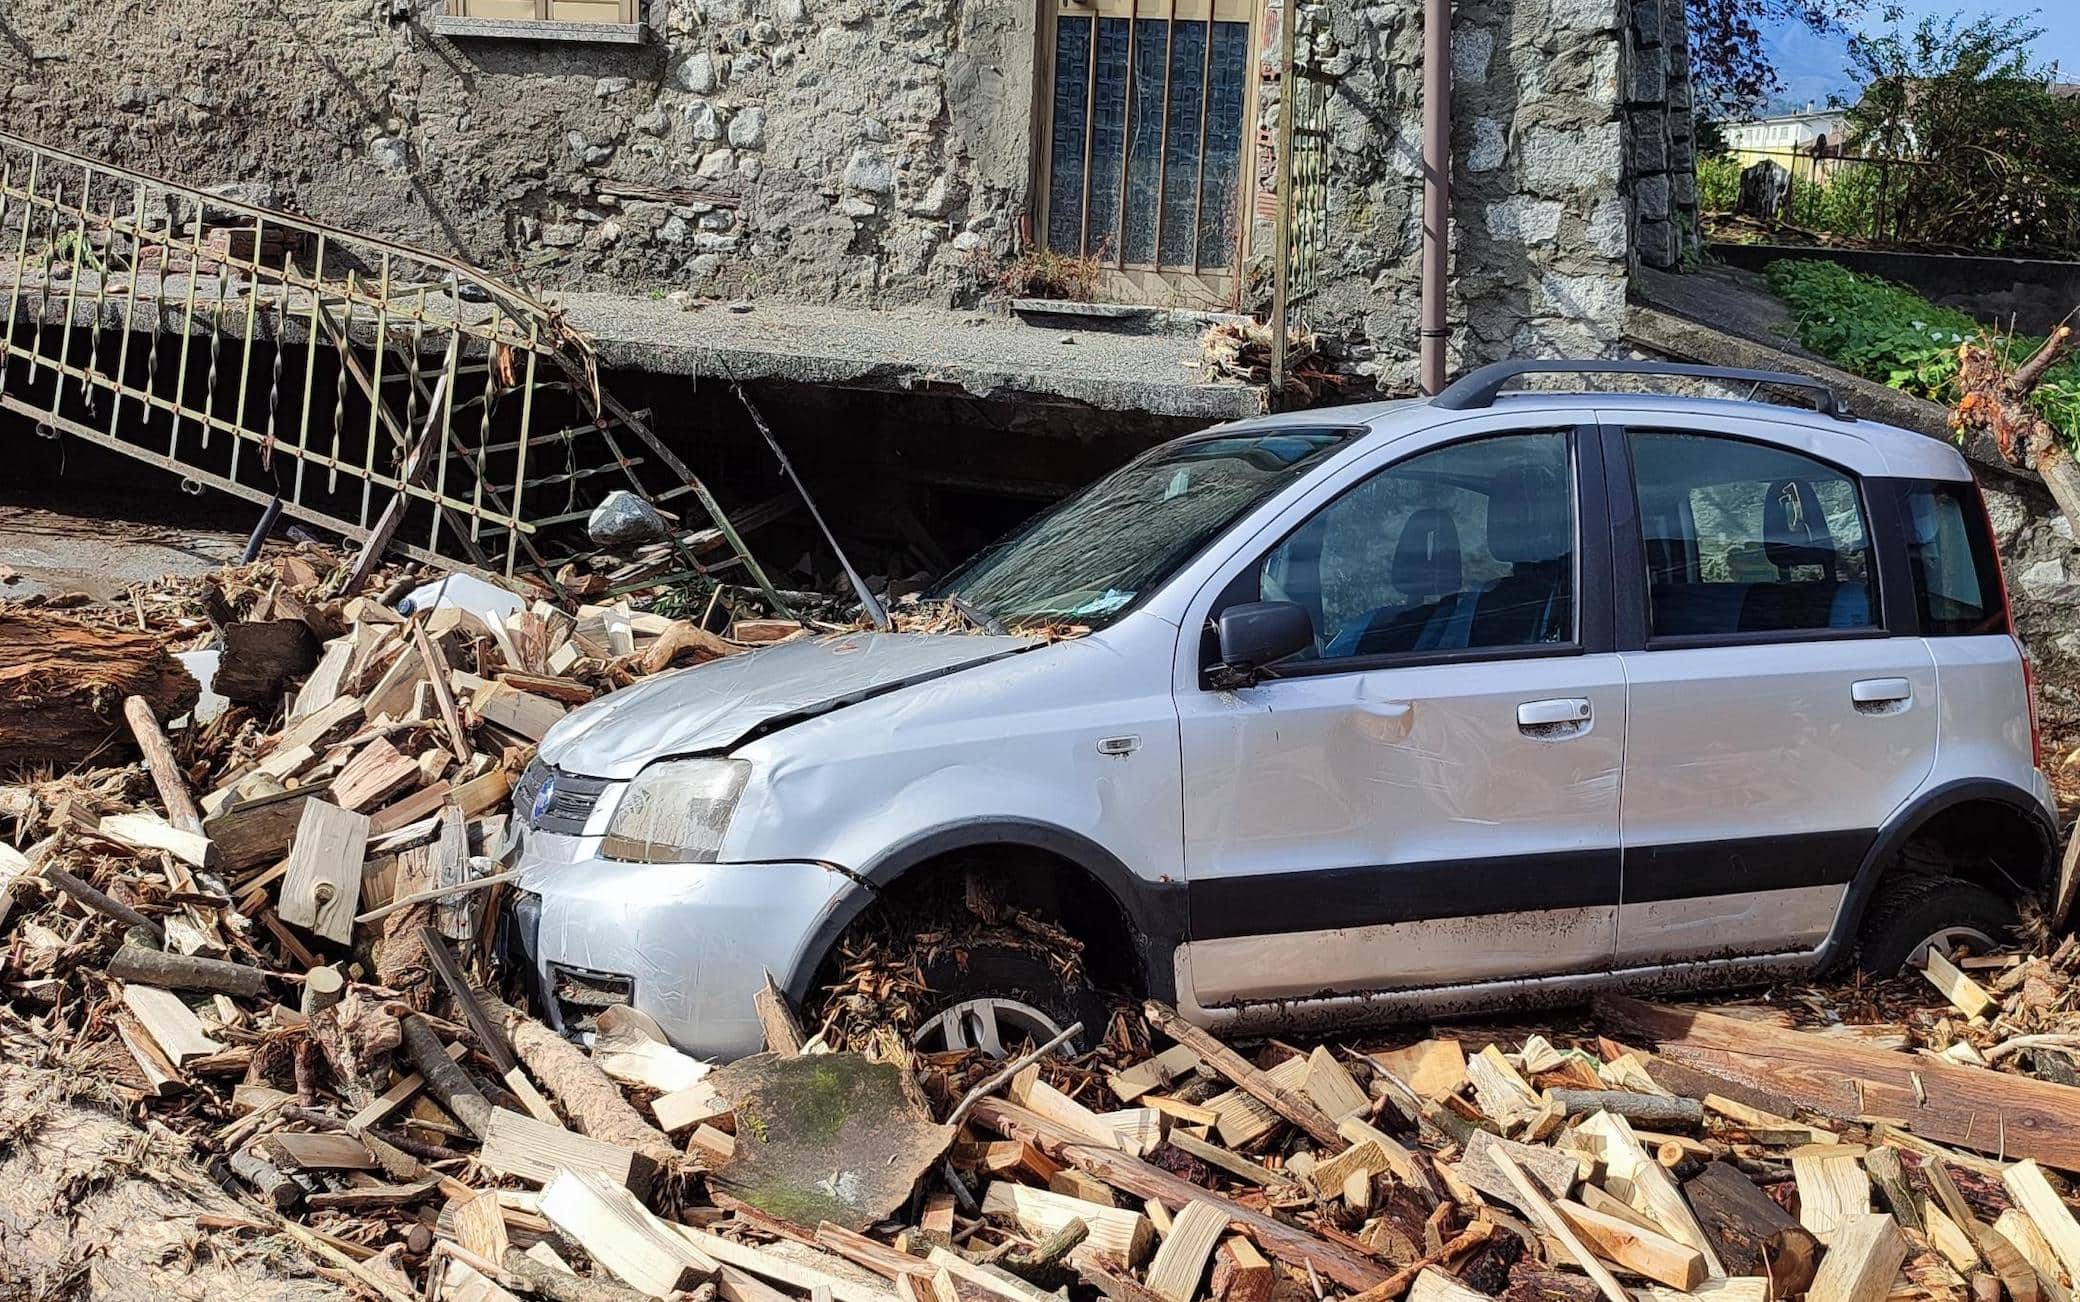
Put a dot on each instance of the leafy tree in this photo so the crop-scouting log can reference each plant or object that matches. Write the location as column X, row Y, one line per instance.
column 1995, row 156
column 1730, row 71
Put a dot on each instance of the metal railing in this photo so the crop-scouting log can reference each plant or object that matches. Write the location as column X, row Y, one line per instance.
column 1857, row 195
column 379, row 391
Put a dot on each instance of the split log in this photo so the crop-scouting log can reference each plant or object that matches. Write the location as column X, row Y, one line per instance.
column 1750, row 1232
column 1286, row 1103
column 259, row 658
column 593, row 1102
column 1352, row 1269
column 184, row 972
column 63, row 684
column 1936, row 1100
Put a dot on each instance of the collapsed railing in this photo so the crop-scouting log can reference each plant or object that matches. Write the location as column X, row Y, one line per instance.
column 391, row 395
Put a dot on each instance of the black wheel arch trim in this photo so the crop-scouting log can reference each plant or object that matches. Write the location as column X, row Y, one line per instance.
column 1155, row 911
column 1909, row 820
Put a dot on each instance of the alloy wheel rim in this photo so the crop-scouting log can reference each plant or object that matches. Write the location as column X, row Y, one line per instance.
column 986, row 1024
column 1947, row 941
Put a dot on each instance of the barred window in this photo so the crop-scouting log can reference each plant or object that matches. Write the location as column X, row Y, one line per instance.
column 1147, row 118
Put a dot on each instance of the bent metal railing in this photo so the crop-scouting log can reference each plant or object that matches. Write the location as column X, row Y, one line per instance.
column 376, row 390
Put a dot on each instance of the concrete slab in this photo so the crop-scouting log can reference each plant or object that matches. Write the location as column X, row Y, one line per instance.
column 986, row 354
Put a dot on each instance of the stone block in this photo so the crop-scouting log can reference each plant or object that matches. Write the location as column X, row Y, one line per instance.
column 1655, row 242
column 1646, row 142
column 747, row 128
column 1606, row 226
column 1556, row 160
column 1472, row 48
column 1648, row 83
column 1650, row 198
column 1521, row 219
column 1490, row 146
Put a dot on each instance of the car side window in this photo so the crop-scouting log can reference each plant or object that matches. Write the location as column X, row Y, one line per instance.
column 1464, row 547
column 1745, row 538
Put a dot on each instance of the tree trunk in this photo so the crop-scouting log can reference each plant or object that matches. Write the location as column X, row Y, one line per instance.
column 62, row 686
column 1997, row 400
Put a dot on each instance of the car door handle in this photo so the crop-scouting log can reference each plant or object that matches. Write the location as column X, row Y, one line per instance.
column 1550, row 716
column 1881, row 695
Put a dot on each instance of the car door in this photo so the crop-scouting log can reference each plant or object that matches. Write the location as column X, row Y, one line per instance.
column 1430, row 796
column 1775, row 720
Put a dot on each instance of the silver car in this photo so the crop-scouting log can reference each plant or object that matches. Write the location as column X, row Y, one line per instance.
column 1405, row 709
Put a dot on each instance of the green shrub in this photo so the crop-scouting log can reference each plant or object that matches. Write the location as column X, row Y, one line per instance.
column 1888, row 333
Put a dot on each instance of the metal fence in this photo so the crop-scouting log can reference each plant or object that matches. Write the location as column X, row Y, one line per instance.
column 378, row 391
column 1859, row 196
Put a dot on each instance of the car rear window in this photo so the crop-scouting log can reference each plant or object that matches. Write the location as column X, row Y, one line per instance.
column 1748, row 539
column 1957, row 577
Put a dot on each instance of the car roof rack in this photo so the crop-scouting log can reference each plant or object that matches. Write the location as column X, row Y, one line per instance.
column 1479, row 389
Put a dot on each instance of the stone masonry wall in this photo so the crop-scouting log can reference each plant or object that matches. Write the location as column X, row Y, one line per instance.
column 867, row 152
column 1538, row 230
column 1660, row 141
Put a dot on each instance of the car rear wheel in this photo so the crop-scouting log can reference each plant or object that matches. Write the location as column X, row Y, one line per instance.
column 1913, row 915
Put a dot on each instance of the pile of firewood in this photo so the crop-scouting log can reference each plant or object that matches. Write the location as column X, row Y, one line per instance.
column 290, row 979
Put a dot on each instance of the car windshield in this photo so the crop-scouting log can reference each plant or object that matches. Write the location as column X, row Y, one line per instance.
column 1087, row 559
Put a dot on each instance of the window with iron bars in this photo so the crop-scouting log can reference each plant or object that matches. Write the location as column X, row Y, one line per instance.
column 550, row 11
column 1147, row 108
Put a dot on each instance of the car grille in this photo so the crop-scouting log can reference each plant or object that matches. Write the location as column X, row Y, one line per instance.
column 570, row 802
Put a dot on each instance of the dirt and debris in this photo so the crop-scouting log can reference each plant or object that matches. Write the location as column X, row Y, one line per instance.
column 254, row 1044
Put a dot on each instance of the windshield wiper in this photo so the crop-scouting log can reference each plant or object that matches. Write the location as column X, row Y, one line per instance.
column 977, row 616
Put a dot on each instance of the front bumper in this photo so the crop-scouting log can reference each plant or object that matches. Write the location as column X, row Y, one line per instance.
column 689, row 944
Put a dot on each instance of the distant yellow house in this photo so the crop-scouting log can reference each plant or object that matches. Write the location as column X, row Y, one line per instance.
column 1780, row 137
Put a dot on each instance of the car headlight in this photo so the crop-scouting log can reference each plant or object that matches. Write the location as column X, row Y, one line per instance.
column 676, row 811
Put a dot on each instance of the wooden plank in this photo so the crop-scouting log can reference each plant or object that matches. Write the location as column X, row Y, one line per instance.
column 621, row 1234
column 1138, row 1130
column 516, row 1144
column 1968, row 1106
column 2026, row 1184
column 320, row 728
column 455, row 915
column 1330, row 1085
column 171, row 1025
column 1350, row 1268
column 151, row 832
column 322, row 886
column 253, row 832
column 1036, row 1095
column 516, row 711
column 423, row 803
column 480, row 1225
column 1535, row 1205
column 1180, row 1263
column 1965, row 994
column 317, row 1152
column 1648, row 1185
column 1244, row 1119
column 378, row 771
column 791, row 1269
column 1367, row 1158
column 1861, row 1262
column 1240, row 1272
column 1233, row 1163
column 1155, row 1073
column 1120, row 1231
column 1432, row 1068
column 783, row 1033
column 1555, row 1170
column 1506, row 1097
column 697, row 1104
column 1831, row 1187
column 1640, row 1251
column 1191, row 1114
column 1286, row 1102
column 1433, row 1285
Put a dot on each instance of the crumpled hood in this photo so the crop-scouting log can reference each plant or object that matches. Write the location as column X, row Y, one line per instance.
column 711, row 707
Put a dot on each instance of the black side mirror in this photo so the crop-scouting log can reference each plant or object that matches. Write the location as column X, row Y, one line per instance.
column 1260, row 633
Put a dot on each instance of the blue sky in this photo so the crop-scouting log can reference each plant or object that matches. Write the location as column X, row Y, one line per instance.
column 1812, row 66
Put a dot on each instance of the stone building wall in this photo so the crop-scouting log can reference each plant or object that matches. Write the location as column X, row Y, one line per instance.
column 1660, row 140
column 861, row 152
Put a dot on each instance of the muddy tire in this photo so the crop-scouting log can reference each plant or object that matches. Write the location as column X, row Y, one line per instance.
column 1911, row 913
column 997, row 996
